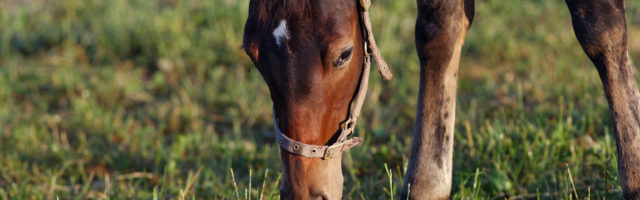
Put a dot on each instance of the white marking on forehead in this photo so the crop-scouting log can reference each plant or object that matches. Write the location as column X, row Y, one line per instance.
column 281, row 33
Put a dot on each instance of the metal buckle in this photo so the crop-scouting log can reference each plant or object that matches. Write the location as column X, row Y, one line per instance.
column 331, row 152
column 367, row 50
column 365, row 4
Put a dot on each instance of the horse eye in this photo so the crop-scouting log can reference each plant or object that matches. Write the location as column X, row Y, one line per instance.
column 344, row 57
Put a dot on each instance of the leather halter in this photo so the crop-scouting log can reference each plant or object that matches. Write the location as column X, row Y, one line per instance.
column 348, row 126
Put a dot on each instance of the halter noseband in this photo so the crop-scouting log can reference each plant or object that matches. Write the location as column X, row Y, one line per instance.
column 348, row 126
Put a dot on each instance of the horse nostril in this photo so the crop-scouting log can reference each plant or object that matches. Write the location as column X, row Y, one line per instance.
column 321, row 196
column 283, row 194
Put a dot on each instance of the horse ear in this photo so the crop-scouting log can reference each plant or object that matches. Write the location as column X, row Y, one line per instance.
column 250, row 40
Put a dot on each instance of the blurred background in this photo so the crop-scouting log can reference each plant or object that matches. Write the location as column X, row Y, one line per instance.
column 141, row 99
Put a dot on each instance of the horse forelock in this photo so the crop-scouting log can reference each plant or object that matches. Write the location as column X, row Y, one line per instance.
column 271, row 12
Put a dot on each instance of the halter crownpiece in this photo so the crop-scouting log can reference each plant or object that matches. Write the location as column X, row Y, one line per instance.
column 383, row 68
column 347, row 128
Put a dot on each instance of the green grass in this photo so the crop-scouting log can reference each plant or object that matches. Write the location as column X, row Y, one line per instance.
column 138, row 99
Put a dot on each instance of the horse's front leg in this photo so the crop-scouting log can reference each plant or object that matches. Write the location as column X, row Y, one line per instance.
column 601, row 29
column 440, row 30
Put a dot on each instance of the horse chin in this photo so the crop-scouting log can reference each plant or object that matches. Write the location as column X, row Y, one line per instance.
column 311, row 178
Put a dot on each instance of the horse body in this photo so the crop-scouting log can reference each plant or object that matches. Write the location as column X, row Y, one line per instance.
column 310, row 55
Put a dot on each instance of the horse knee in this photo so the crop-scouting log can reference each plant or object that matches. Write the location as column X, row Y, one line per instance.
column 439, row 17
column 600, row 26
column 440, row 29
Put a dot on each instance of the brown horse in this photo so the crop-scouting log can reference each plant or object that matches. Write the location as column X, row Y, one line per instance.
column 313, row 56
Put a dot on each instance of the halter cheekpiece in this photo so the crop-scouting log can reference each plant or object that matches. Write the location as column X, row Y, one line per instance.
column 347, row 128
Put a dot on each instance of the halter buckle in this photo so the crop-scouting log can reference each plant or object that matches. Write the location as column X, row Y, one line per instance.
column 333, row 151
column 365, row 4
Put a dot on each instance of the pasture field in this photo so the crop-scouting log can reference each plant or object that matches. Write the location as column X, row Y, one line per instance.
column 154, row 99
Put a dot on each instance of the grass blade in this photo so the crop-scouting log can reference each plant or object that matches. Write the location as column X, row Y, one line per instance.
column 572, row 184
column 390, row 175
column 235, row 185
column 263, row 183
